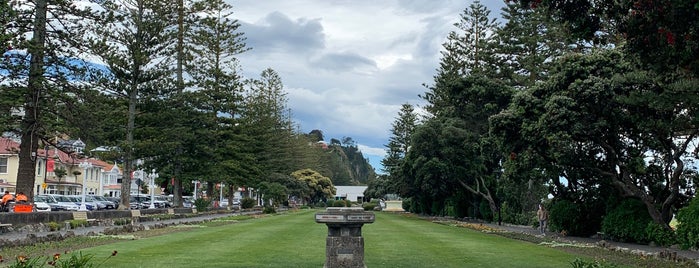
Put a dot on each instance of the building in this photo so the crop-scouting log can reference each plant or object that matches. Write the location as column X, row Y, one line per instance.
column 9, row 161
column 351, row 193
column 59, row 172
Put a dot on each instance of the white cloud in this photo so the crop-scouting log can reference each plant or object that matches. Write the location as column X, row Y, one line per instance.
column 349, row 65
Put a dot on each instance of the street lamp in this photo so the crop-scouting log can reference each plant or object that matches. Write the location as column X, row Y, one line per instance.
column 220, row 201
column 152, row 176
column 195, row 189
column 85, row 166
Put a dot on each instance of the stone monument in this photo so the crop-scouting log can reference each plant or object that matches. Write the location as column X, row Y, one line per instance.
column 344, row 246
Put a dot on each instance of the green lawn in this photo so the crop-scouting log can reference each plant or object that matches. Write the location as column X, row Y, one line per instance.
column 295, row 240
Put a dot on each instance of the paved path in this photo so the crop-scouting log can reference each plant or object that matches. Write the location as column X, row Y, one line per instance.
column 635, row 248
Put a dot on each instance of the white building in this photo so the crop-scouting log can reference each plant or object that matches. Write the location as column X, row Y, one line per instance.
column 351, row 193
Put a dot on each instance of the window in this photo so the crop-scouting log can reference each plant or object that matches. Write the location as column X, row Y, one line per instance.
column 3, row 165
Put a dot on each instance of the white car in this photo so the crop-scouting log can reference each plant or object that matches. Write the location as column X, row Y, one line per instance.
column 41, row 203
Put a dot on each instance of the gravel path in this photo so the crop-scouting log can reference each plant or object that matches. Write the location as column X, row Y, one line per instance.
column 666, row 252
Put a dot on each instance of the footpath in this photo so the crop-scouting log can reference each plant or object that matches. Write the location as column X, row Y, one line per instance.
column 646, row 250
column 27, row 237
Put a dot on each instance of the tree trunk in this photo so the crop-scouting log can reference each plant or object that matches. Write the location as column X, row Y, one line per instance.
column 30, row 123
column 486, row 195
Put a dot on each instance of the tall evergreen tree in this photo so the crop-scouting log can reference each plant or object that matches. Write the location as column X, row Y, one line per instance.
column 131, row 44
column 40, row 40
column 266, row 118
column 528, row 41
column 398, row 145
column 471, row 50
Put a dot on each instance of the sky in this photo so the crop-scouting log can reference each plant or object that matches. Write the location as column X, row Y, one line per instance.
column 348, row 65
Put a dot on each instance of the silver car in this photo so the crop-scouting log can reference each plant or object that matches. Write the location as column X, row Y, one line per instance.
column 63, row 203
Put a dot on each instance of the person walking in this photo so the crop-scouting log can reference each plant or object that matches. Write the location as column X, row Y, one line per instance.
column 543, row 216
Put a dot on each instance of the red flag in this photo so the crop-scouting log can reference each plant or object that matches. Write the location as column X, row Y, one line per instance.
column 50, row 165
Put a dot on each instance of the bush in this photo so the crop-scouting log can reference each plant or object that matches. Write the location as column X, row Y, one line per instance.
column 688, row 227
column 407, row 204
column 486, row 213
column 202, row 204
column 53, row 226
column 247, row 202
column 566, row 217
column 269, row 210
column 660, row 235
column 336, row 203
column 579, row 263
column 369, row 206
column 77, row 223
column 122, row 221
column 627, row 222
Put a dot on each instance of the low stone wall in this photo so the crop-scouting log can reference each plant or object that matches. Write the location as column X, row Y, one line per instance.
column 20, row 219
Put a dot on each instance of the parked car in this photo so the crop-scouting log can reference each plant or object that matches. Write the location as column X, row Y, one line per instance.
column 63, row 203
column 115, row 200
column 41, row 203
column 161, row 201
column 78, row 201
column 101, row 199
column 138, row 202
column 187, row 201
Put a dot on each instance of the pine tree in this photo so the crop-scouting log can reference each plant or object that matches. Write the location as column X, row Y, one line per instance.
column 471, row 50
column 131, row 43
column 398, row 145
column 40, row 40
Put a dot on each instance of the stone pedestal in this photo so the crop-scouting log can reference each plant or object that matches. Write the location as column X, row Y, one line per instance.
column 344, row 246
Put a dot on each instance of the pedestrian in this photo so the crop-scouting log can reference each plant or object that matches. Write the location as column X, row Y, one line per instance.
column 543, row 216
column 21, row 198
column 5, row 200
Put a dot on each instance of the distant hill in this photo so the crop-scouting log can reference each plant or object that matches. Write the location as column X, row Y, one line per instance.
column 348, row 165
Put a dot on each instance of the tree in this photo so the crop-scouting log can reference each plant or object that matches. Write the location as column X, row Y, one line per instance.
column 37, row 66
column 207, row 42
column 398, row 145
column 320, row 188
column 660, row 33
column 267, row 118
column 470, row 51
column 131, row 43
column 528, row 40
column 599, row 120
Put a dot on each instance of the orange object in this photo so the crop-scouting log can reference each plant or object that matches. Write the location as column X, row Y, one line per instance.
column 23, row 208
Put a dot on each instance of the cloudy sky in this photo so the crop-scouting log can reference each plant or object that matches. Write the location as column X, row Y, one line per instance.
column 348, row 65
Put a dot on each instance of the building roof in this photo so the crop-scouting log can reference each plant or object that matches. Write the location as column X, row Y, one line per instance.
column 8, row 146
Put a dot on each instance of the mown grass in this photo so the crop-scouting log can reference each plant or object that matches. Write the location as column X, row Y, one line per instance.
column 295, row 240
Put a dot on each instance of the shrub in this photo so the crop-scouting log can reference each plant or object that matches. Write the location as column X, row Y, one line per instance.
column 407, row 204
column 53, row 226
column 77, row 223
column 579, row 263
column 337, row 203
column 369, row 206
column 122, row 221
column 660, row 235
column 269, row 210
column 202, row 204
column 486, row 213
column 247, row 202
column 627, row 222
column 567, row 217
column 688, row 227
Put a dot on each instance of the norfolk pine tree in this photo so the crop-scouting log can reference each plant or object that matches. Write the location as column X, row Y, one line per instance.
column 130, row 43
column 42, row 73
